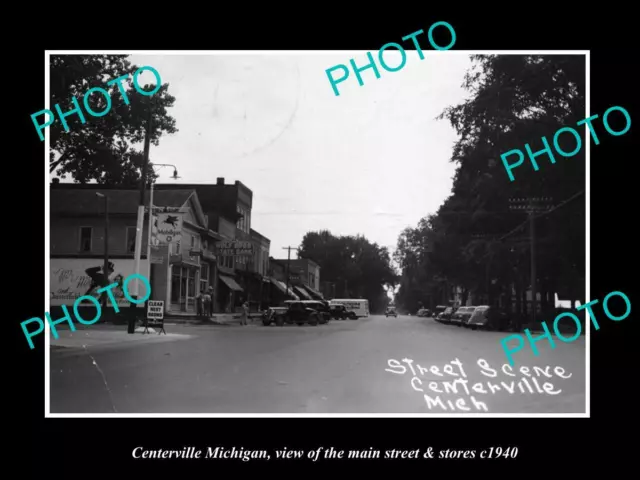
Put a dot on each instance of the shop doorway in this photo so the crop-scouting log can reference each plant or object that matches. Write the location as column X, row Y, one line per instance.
column 183, row 289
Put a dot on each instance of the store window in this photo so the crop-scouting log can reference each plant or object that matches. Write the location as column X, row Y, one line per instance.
column 131, row 239
column 204, row 277
column 85, row 238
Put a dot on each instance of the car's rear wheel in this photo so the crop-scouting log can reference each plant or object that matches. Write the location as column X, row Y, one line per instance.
column 313, row 320
column 266, row 323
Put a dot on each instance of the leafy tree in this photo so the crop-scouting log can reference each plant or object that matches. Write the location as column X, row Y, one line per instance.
column 358, row 267
column 516, row 99
column 104, row 149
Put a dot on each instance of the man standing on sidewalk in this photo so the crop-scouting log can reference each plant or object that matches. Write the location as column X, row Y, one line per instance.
column 245, row 313
column 207, row 304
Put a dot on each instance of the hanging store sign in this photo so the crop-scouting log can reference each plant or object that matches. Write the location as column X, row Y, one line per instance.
column 167, row 228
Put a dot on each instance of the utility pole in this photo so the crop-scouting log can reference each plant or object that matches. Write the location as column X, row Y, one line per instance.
column 105, row 268
column 487, row 266
column 532, row 206
column 288, row 263
column 140, row 222
column 151, row 210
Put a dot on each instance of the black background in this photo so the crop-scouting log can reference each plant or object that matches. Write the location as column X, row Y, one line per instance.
column 84, row 448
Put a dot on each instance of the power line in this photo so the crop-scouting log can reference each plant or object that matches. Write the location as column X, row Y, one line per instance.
column 561, row 204
column 542, row 214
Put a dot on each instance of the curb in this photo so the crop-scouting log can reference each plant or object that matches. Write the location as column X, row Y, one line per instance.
column 183, row 321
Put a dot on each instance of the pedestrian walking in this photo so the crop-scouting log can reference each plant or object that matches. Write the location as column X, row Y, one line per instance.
column 245, row 313
column 210, row 292
column 207, row 304
column 200, row 304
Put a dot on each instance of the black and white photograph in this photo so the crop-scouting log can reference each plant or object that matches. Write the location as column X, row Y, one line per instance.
column 264, row 234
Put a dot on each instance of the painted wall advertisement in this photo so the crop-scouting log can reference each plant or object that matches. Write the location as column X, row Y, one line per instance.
column 72, row 278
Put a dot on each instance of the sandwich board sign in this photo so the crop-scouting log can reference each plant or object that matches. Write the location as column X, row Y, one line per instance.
column 155, row 316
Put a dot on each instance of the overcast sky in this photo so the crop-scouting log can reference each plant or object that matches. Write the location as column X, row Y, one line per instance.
column 370, row 161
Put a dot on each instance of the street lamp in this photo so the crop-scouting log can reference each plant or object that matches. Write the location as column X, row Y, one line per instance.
column 175, row 177
column 105, row 268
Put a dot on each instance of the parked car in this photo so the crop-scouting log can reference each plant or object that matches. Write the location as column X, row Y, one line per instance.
column 489, row 318
column 268, row 315
column 462, row 315
column 391, row 312
column 445, row 315
column 424, row 312
column 439, row 309
column 319, row 306
column 356, row 307
column 294, row 312
column 338, row 311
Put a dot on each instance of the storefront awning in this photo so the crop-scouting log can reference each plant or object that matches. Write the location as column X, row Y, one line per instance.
column 283, row 288
column 314, row 293
column 302, row 292
column 231, row 283
column 278, row 285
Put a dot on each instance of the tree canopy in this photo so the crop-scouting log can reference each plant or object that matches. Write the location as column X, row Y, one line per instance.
column 474, row 240
column 357, row 267
column 106, row 149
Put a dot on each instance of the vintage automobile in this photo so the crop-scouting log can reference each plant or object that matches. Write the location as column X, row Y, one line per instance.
column 268, row 316
column 462, row 315
column 356, row 308
column 439, row 309
column 339, row 311
column 293, row 312
column 391, row 312
column 445, row 315
column 489, row 318
column 319, row 306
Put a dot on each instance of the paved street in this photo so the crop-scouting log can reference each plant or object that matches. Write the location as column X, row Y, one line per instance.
column 334, row 368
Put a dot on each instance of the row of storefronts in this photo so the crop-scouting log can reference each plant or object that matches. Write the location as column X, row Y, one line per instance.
column 178, row 271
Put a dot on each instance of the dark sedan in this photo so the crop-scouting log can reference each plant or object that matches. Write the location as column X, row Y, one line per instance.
column 462, row 315
column 489, row 318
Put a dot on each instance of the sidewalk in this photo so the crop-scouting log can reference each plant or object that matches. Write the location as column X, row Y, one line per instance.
column 564, row 328
column 220, row 319
column 100, row 337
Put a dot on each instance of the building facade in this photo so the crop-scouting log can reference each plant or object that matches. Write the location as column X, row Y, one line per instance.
column 176, row 272
column 304, row 276
column 228, row 210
